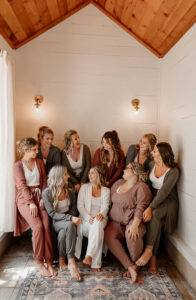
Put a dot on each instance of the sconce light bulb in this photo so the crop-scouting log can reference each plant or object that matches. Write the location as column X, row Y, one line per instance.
column 136, row 112
column 37, row 109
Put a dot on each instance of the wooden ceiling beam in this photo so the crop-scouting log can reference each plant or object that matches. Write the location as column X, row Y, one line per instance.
column 175, row 17
column 7, row 34
column 151, row 9
column 43, row 12
column 53, row 9
column 22, row 16
column 125, row 28
column 62, row 7
column 8, row 15
column 182, row 27
column 55, row 22
column 71, row 4
column 32, row 11
column 160, row 18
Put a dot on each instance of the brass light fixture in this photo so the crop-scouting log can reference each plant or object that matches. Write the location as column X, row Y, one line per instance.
column 38, row 100
column 136, row 102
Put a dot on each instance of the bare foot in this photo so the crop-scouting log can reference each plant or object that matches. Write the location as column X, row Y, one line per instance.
column 153, row 265
column 88, row 260
column 52, row 271
column 96, row 269
column 133, row 272
column 73, row 269
column 43, row 271
column 62, row 264
column 127, row 274
column 146, row 256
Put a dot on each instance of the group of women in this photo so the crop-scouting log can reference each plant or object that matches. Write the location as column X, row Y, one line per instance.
column 114, row 202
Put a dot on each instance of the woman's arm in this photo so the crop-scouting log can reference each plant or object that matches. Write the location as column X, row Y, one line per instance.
column 131, row 154
column 143, row 198
column 20, row 183
column 48, row 203
column 97, row 158
column 73, row 206
column 105, row 202
column 43, row 174
column 119, row 170
column 88, row 164
column 56, row 157
column 82, row 197
column 170, row 180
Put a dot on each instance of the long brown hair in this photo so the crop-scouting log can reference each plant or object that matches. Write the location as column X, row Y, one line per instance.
column 68, row 140
column 167, row 154
column 41, row 133
column 111, row 137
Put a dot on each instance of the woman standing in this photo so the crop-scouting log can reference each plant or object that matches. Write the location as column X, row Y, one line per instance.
column 49, row 153
column 60, row 203
column 76, row 158
column 130, row 196
column 93, row 205
column 164, row 175
column 141, row 152
column 30, row 180
column 110, row 157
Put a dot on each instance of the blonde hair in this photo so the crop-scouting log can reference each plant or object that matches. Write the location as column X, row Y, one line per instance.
column 43, row 130
column 56, row 183
column 139, row 171
column 100, row 175
column 25, row 144
column 151, row 139
column 68, row 141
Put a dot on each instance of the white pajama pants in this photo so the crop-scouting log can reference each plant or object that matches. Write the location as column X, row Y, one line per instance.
column 95, row 234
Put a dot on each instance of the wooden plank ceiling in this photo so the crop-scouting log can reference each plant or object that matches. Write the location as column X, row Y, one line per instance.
column 157, row 24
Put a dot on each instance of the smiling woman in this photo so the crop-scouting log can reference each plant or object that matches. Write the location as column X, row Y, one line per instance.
column 50, row 154
column 30, row 180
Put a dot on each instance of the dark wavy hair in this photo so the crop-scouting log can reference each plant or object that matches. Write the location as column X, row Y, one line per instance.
column 167, row 154
column 112, row 138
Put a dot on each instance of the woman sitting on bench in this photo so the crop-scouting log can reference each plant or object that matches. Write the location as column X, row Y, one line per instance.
column 164, row 175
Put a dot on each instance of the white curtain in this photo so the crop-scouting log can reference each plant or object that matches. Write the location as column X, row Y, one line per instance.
column 7, row 149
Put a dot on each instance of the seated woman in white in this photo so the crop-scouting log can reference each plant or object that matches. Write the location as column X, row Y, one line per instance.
column 93, row 206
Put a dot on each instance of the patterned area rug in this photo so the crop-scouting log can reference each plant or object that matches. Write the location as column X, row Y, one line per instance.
column 107, row 285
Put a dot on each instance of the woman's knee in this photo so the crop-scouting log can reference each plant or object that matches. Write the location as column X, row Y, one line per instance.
column 37, row 227
column 71, row 227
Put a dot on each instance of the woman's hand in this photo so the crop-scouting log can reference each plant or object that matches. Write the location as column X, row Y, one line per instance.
column 33, row 210
column 147, row 214
column 99, row 217
column 91, row 220
column 76, row 220
column 41, row 203
column 77, row 187
column 133, row 232
column 107, row 183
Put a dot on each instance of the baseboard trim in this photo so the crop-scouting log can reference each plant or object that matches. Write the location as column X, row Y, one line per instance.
column 5, row 241
column 181, row 263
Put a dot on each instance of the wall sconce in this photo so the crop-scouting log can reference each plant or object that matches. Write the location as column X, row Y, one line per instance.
column 136, row 103
column 38, row 100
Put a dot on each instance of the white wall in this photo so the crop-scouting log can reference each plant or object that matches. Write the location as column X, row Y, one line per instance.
column 178, row 125
column 88, row 70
